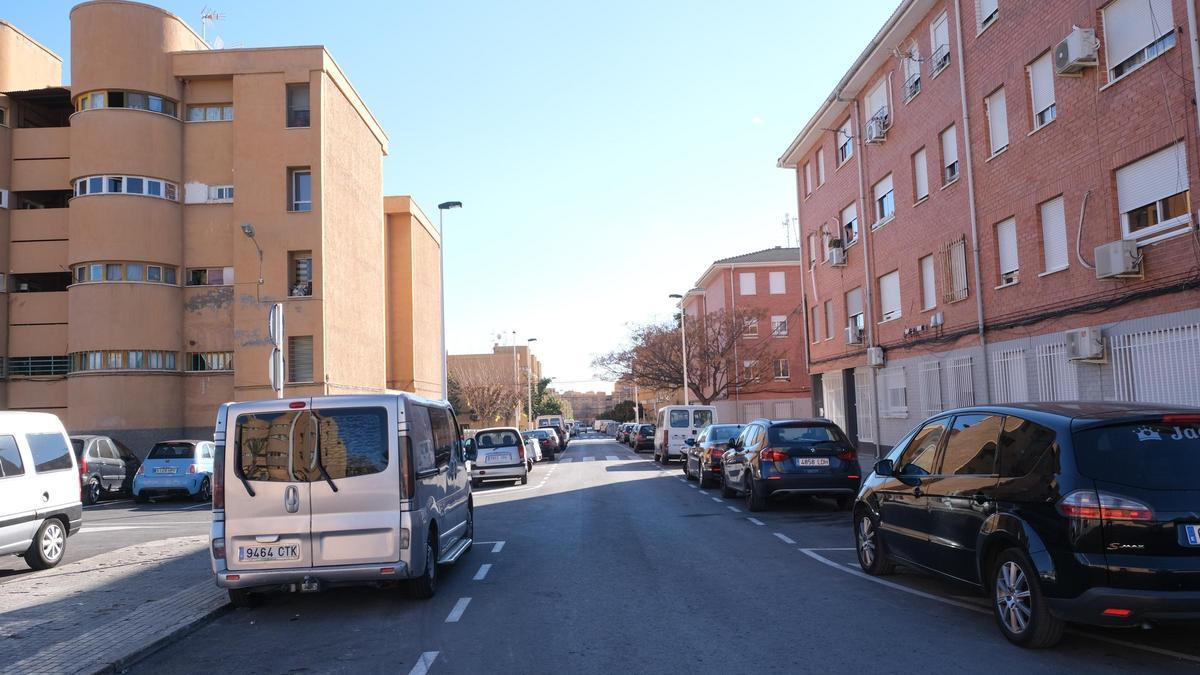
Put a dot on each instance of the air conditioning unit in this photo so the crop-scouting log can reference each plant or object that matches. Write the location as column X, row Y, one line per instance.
column 1085, row 344
column 875, row 357
column 837, row 256
column 1118, row 259
column 877, row 128
column 853, row 335
column 1077, row 51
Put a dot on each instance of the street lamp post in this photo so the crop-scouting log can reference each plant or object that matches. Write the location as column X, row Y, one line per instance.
column 442, row 208
column 683, row 338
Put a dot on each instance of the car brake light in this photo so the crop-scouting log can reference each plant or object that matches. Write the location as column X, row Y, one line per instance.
column 296, row 405
column 1101, row 505
column 716, row 452
column 1117, row 611
column 83, row 466
column 218, row 549
column 848, row 455
column 521, row 449
column 773, row 455
column 191, row 468
column 1181, row 419
column 141, row 470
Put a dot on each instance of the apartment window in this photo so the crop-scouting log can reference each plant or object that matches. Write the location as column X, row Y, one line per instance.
column 750, row 327
column 200, row 361
column 210, row 276
column 133, row 100
column 920, row 175
column 828, row 319
column 779, row 326
column 782, row 369
column 895, row 389
column 1054, row 235
column 749, row 371
column 928, row 287
column 3, row 117
column 776, row 283
column 849, row 225
column 997, row 121
column 885, row 201
column 854, row 309
column 1152, row 195
column 300, row 274
column 816, row 324
column 940, row 39
column 821, row 166
column 31, row 366
column 807, row 178
column 300, row 358
column 845, row 143
column 41, row 282
column 826, row 238
column 122, row 359
column 297, row 105
column 3, row 199
column 1136, row 31
column 889, row 295
column 129, row 185
column 877, row 107
column 1006, row 250
column 812, row 249
column 112, row 272
column 912, row 72
column 952, row 258
column 1041, row 90
column 986, row 12
column 949, row 156
column 746, row 283
column 299, row 190
column 220, row 193
column 222, row 112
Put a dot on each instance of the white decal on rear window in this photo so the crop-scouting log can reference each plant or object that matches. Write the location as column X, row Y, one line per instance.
column 1146, row 434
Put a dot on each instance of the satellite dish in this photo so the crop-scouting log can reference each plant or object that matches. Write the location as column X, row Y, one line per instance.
column 218, row 43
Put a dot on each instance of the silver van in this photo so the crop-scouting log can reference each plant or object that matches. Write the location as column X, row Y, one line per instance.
column 311, row 492
column 39, row 488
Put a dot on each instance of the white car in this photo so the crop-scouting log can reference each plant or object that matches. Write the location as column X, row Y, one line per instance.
column 39, row 488
column 499, row 454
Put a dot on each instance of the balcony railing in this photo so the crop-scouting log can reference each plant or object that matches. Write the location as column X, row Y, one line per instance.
column 941, row 58
column 912, row 86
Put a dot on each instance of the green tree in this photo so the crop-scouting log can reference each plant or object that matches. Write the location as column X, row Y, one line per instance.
column 623, row 412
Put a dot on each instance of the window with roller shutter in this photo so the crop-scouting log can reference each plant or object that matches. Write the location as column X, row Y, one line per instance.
column 1054, row 235
column 1006, row 248
column 1136, row 31
column 300, row 358
column 997, row 113
column 986, row 12
column 889, row 295
column 1152, row 196
column 949, row 156
column 920, row 175
column 1041, row 90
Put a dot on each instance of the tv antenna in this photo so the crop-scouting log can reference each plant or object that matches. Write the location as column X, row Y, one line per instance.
column 209, row 16
column 788, row 222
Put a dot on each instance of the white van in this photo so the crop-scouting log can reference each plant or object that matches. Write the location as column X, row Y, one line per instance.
column 39, row 488
column 677, row 423
column 310, row 492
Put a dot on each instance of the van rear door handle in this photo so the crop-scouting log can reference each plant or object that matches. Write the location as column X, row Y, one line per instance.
column 45, row 496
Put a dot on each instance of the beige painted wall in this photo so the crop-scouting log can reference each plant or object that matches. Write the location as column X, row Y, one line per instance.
column 40, row 394
column 414, row 293
column 47, row 143
column 121, row 141
column 125, row 401
column 124, row 227
column 24, row 63
column 125, row 315
column 40, row 174
column 38, row 256
column 39, row 224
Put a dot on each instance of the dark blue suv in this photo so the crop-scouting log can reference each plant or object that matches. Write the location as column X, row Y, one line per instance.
column 805, row 456
column 1085, row 512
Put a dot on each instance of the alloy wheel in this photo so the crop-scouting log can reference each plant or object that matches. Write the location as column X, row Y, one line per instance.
column 52, row 542
column 93, row 488
column 866, row 541
column 1013, row 597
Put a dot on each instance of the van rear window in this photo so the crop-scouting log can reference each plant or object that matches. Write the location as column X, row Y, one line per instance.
column 1157, row 455
column 701, row 418
column 50, row 452
column 680, row 419
column 292, row 446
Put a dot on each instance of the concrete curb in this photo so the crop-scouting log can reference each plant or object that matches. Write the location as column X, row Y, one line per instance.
column 123, row 663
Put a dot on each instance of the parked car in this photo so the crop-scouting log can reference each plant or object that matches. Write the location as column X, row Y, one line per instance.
column 176, row 469
column 533, row 449
column 702, row 456
column 677, row 423
column 643, row 437
column 39, row 488
column 106, row 466
column 805, row 456
column 365, row 504
column 1058, row 512
column 547, row 442
column 499, row 455
column 623, row 432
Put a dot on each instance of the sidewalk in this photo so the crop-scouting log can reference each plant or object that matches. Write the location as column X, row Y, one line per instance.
column 97, row 614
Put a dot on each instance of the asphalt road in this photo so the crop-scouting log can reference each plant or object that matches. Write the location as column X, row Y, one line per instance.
column 116, row 523
column 606, row 563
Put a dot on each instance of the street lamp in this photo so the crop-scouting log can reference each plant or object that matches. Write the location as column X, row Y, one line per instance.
column 529, row 381
column 683, row 338
column 442, row 208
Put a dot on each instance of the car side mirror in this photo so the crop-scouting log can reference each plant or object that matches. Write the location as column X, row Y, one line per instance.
column 690, row 442
column 470, row 452
column 884, row 467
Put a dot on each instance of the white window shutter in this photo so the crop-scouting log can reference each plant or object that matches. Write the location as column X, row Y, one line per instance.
column 849, row 213
column 807, row 178
column 949, row 147
column 986, row 7
column 812, row 248
column 746, row 282
column 1152, row 178
column 997, row 121
column 854, row 302
column 928, row 289
column 777, row 283
column 941, row 32
column 1041, row 82
column 889, row 295
column 877, row 99
column 829, row 319
column 1054, row 235
column 821, row 166
column 1006, row 242
column 921, row 174
column 1131, row 25
column 883, row 187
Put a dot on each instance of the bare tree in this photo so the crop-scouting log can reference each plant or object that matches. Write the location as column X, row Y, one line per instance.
column 487, row 392
column 719, row 349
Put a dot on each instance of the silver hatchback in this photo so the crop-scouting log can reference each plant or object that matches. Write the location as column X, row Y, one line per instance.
column 499, row 454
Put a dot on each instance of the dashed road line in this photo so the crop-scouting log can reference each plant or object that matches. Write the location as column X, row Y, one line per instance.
column 498, row 547
column 612, row 458
column 457, row 612
column 756, row 521
column 734, row 509
column 422, row 665
column 694, row 487
column 589, row 459
column 783, row 537
column 717, row 499
column 483, row 571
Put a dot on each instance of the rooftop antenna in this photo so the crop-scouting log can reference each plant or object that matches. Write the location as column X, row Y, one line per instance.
column 209, row 16
column 788, row 223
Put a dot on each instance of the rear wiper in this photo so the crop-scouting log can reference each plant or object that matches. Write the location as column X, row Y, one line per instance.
column 246, row 484
column 317, row 457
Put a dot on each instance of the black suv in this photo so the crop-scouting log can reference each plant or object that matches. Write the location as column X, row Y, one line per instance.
column 806, row 456
column 1085, row 512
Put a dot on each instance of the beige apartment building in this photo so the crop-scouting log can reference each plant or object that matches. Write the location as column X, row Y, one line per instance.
column 154, row 210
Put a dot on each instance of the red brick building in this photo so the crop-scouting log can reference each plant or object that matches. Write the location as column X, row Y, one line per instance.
column 767, row 283
column 994, row 208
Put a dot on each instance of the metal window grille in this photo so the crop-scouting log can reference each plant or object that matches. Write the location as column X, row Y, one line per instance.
column 835, row 401
column 960, row 378
column 1008, row 376
column 865, row 400
column 38, row 365
column 1158, row 366
column 1058, row 379
column 931, row 387
column 952, row 258
column 199, row 361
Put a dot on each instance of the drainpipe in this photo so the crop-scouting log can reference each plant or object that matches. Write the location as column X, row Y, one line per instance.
column 800, row 243
column 868, row 296
column 962, row 90
column 1191, row 11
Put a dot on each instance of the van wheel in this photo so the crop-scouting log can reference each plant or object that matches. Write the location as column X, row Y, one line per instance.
column 1018, row 605
column 424, row 586
column 204, row 494
column 243, row 599
column 48, row 545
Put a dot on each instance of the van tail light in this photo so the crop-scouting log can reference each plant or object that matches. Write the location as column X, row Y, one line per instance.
column 407, row 477
column 218, row 480
column 1095, row 505
column 191, row 468
column 774, row 455
column 218, row 547
column 848, row 455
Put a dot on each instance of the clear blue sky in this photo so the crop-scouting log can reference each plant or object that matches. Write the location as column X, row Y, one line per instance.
column 605, row 152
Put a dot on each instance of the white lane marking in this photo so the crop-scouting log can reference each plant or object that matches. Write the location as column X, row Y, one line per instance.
column 457, row 612
column 421, row 667
column 694, row 487
column 717, row 499
column 115, row 501
column 734, row 509
column 682, row 480
column 483, row 570
column 756, row 521
column 498, row 547
column 589, row 459
column 851, row 548
column 784, row 538
column 89, row 529
column 566, row 460
column 198, row 506
column 611, row 458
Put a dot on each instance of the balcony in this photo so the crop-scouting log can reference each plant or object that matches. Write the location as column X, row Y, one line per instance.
column 39, row 224
column 44, row 143
column 37, row 257
column 37, row 308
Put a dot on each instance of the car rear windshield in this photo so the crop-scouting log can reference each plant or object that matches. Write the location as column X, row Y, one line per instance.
column 801, row 434
column 78, row 446
column 1158, row 455
column 495, row 439
column 172, row 451
column 722, row 434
